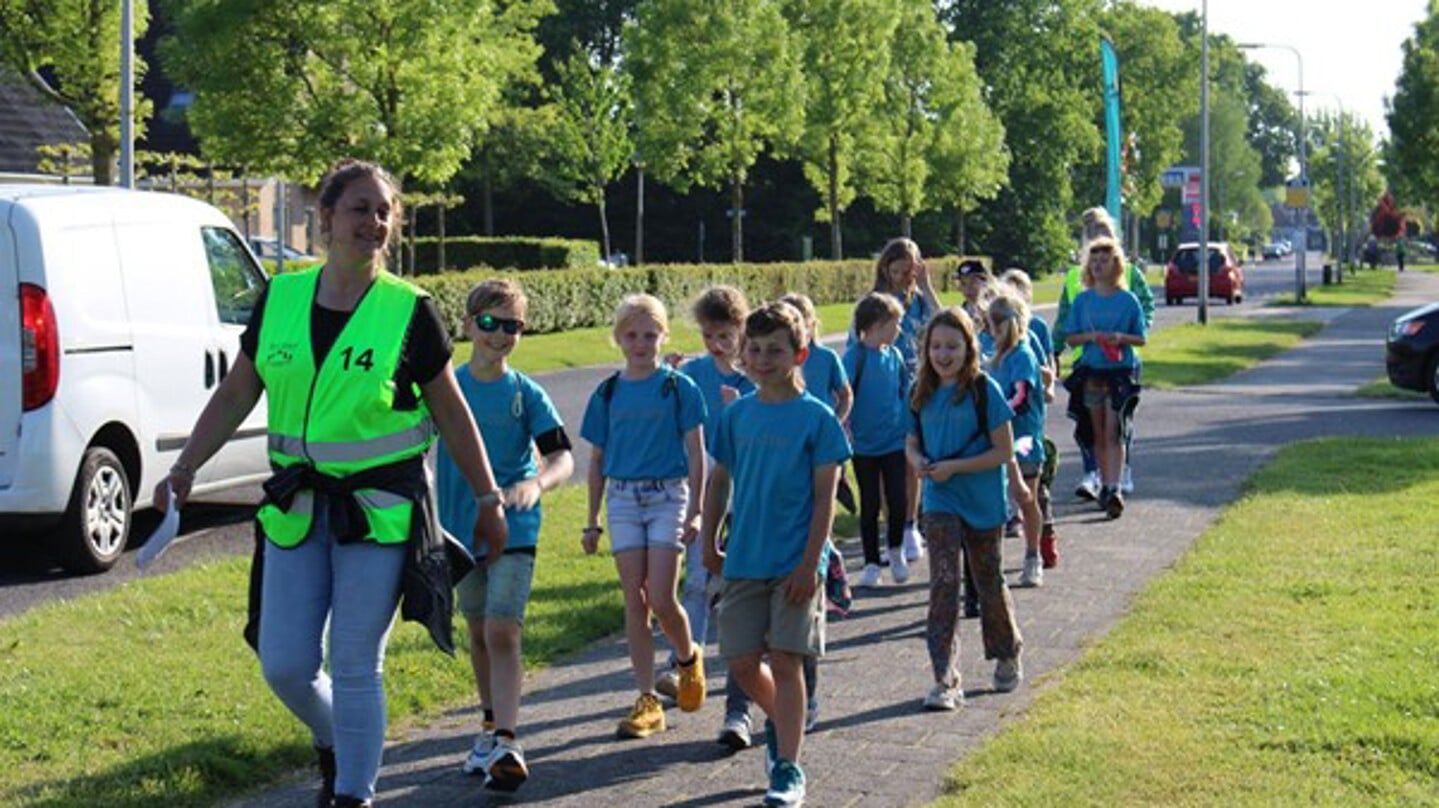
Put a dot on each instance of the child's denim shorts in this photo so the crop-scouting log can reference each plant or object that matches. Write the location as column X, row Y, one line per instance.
column 646, row 514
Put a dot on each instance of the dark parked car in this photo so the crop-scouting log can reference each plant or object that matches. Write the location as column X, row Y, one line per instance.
column 1411, row 354
column 1274, row 251
column 1226, row 274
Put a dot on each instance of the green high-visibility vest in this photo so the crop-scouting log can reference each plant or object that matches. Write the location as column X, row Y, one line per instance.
column 339, row 417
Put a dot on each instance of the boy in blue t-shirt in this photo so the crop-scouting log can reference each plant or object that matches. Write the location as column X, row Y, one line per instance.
column 780, row 451
column 876, row 425
column 515, row 416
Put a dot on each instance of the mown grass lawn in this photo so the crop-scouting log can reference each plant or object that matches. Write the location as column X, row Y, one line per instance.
column 1361, row 287
column 1382, row 388
column 147, row 696
column 1190, row 354
column 1291, row 658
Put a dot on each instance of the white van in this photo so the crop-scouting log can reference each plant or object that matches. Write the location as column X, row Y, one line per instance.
column 128, row 308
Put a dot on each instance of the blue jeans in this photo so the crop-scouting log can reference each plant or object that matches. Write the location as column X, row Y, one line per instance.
column 696, row 596
column 355, row 588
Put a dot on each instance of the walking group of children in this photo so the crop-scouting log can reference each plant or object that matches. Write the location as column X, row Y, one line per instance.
column 727, row 468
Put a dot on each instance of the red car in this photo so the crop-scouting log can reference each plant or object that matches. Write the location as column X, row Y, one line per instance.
column 1226, row 274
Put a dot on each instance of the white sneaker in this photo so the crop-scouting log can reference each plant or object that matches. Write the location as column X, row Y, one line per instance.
column 1089, row 487
column 736, row 732
column 870, row 576
column 479, row 754
column 1126, row 481
column 944, row 698
column 913, row 544
column 898, row 568
column 1033, row 573
column 505, row 768
column 1008, row 673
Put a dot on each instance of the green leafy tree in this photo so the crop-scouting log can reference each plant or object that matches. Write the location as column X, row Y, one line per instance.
column 968, row 158
column 1412, row 155
column 1039, row 60
column 69, row 51
column 591, row 136
column 287, row 87
column 716, row 84
column 934, row 142
column 845, row 47
column 1344, row 154
column 1238, row 209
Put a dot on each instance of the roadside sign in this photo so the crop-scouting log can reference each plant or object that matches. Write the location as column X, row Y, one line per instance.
column 1191, row 190
column 1174, row 176
column 1296, row 193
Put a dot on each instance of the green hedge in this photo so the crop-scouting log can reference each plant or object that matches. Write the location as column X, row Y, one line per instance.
column 581, row 298
column 518, row 253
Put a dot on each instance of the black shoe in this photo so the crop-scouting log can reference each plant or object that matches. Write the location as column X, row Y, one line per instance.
column 343, row 801
column 1114, row 508
column 1105, row 494
column 971, row 609
column 326, row 758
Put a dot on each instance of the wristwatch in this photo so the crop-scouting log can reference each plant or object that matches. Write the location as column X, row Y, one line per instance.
column 490, row 498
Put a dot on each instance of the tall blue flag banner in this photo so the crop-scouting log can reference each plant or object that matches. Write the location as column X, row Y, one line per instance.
column 1111, row 125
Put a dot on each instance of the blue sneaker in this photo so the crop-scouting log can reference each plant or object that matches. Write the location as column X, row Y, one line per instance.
column 771, row 747
column 786, row 784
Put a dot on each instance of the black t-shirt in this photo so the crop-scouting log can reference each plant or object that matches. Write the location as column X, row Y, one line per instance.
column 425, row 353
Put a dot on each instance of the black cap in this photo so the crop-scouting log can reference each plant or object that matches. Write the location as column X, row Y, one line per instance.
column 971, row 266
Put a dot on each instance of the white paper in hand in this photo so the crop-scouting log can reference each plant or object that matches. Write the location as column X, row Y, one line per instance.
column 160, row 540
column 1024, row 445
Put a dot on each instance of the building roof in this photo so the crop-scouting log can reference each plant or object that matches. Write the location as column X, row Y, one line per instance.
column 29, row 120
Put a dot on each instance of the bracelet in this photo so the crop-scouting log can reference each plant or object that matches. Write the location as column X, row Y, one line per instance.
column 490, row 498
column 598, row 531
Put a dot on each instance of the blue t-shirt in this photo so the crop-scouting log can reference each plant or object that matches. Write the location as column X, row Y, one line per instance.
column 911, row 325
column 1041, row 339
column 824, row 374
column 951, row 430
column 877, row 420
column 641, row 428
column 986, row 347
column 1119, row 312
column 771, row 452
column 705, row 373
column 1019, row 365
column 511, row 412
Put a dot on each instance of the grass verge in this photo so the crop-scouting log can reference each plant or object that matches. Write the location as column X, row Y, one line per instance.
column 1381, row 388
column 1191, row 354
column 1292, row 658
column 1361, row 287
column 146, row 695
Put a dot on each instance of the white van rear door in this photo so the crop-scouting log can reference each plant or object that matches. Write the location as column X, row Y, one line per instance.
column 173, row 322
column 10, row 372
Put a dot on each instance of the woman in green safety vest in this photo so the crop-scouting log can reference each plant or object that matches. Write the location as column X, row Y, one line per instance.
column 354, row 362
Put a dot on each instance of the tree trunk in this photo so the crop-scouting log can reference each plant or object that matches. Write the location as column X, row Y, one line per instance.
column 959, row 230
column 441, row 243
column 487, row 195
column 102, row 159
column 836, row 245
column 736, row 219
column 904, row 222
column 639, row 215
column 604, row 228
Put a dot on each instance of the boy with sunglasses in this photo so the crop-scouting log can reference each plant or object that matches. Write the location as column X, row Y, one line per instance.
column 515, row 416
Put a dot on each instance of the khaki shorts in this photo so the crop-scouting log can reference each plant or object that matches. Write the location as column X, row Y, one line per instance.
column 754, row 616
column 1096, row 392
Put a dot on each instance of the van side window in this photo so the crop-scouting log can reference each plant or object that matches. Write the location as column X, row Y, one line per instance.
column 237, row 281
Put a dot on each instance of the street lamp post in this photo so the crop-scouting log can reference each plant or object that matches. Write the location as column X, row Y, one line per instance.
column 1299, row 281
column 1203, row 312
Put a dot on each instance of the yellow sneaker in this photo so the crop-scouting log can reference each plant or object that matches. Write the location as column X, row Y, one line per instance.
column 692, row 683
column 645, row 719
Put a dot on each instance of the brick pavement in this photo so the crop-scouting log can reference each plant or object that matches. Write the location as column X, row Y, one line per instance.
column 874, row 745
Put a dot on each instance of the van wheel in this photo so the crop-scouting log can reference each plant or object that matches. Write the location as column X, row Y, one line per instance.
column 97, row 522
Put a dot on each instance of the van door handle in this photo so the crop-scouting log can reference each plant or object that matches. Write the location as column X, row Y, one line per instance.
column 224, row 365
column 209, row 370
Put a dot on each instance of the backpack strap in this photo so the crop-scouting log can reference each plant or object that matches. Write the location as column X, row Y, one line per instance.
column 669, row 388
column 859, row 368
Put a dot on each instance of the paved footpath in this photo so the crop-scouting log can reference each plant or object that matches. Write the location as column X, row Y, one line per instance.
column 874, row 746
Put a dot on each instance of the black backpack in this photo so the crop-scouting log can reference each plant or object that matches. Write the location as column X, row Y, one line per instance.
column 669, row 388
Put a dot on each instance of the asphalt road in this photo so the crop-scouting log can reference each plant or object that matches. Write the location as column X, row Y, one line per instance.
column 220, row 525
